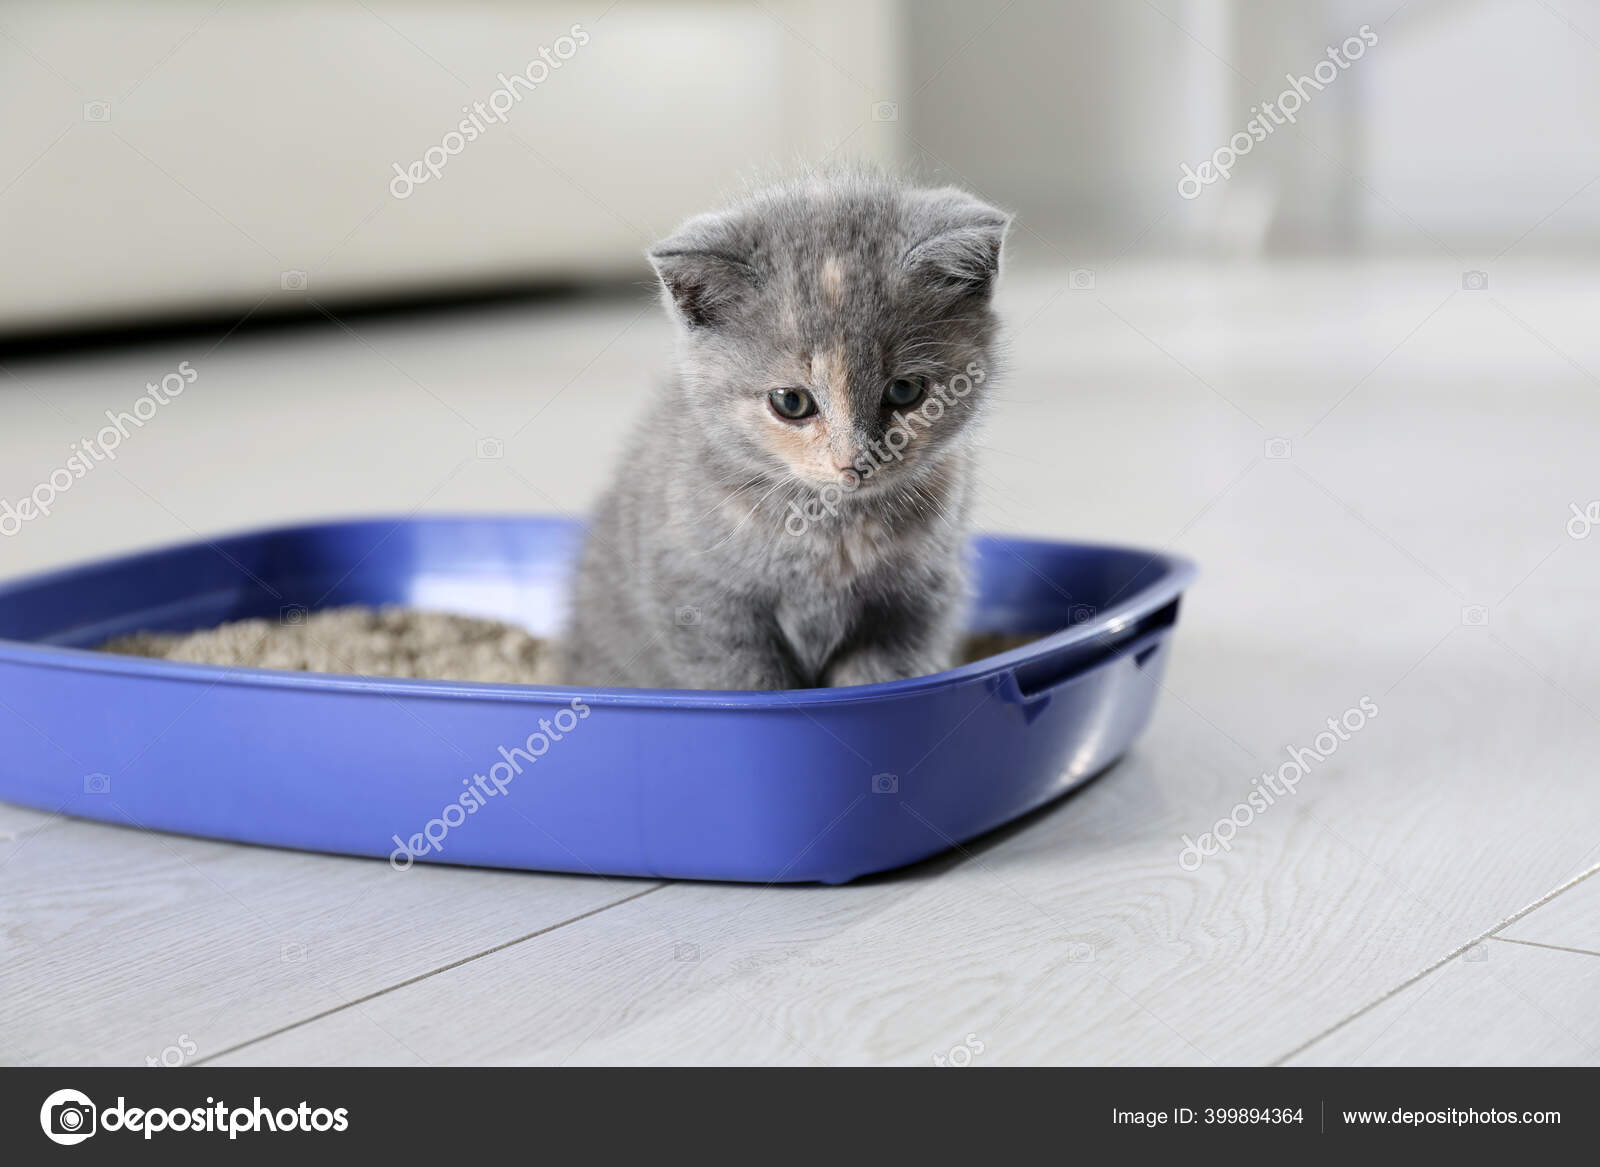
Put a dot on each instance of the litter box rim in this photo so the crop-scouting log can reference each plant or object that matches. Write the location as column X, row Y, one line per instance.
column 1177, row 573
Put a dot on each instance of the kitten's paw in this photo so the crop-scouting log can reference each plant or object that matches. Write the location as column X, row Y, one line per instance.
column 873, row 669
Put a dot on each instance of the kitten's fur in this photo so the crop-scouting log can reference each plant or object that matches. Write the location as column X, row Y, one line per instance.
column 693, row 574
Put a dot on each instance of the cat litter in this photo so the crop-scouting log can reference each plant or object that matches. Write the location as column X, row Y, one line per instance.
column 390, row 642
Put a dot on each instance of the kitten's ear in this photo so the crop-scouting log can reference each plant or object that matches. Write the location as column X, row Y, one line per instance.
column 702, row 268
column 958, row 241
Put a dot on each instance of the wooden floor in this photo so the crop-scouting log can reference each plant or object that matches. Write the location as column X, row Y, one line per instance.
column 1376, row 471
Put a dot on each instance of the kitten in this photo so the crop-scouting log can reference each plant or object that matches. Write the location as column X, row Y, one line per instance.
column 792, row 511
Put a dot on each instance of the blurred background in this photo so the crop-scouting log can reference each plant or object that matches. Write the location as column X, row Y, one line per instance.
column 172, row 157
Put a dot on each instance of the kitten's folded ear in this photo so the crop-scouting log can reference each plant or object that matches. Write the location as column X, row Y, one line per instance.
column 957, row 242
column 702, row 268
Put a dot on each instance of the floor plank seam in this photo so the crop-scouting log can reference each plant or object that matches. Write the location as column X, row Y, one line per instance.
column 387, row 989
column 1546, row 898
column 1491, row 934
column 1541, row 944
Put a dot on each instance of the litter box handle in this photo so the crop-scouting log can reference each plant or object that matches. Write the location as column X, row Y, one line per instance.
column 1141, row 638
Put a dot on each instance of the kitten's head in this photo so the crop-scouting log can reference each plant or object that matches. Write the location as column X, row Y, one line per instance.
column 835, row 330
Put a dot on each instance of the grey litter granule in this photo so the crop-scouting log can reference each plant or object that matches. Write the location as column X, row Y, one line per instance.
column 390, row 642
column 375, row 642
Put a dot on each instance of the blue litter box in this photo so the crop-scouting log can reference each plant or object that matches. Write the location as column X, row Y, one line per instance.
column 818, row 784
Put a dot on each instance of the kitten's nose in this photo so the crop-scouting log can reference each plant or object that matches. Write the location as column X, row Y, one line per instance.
column 850, row 471
column 846, row 454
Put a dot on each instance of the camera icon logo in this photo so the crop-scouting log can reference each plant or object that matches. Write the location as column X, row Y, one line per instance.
column 292, row 281
column 97, row 783
column 886, row 784
column 885, row 111
column 292, row 615
column 1078, row 613
column 1477, row 952
column 292, row 952
column 1278, row 449
column 1474, row 281
column 68, row 1117
column 1475, row 616
column 97, row 111
column 491, row 449
column 1080, row 952
column 686, row 953
column 1081, row 279
column 686, row 616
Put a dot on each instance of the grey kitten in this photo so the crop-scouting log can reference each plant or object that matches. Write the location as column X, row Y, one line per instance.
column 792, row 512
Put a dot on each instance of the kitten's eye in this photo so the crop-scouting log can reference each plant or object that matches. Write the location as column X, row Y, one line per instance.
column 791, row 404
column 902, row 391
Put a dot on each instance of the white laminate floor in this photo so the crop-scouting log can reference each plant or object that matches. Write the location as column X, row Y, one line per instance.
column 1377, row 471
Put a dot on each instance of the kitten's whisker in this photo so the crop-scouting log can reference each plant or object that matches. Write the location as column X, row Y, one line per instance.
column 731, row 494
column 790, row 495
column 739, row 526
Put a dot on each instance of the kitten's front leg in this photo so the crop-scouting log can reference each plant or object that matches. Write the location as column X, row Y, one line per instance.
column 893, row 650
column 730, row 647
